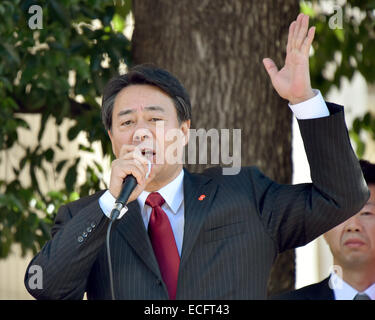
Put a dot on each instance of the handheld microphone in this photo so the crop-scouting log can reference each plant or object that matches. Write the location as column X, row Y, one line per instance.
column 128, row 186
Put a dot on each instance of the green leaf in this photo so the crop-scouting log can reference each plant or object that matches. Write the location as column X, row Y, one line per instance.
column 6, row 83
column 36, row 81
column 73, row 196
column 43, row 122
column 73, row 132
column 339, row 34
column 307, row 9
column 360, row 149
column 61, row 13
column 357, row 125
column 60, row 165
column 123, row 7
column 118, row 23
column 49, row 154
column 84, row 148
column 71, row 177
column 12, row 53
column 367, row 120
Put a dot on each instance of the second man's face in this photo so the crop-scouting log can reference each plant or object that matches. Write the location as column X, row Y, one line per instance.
column 352, row 243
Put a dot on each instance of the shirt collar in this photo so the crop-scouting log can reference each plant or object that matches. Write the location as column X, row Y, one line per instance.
column 172, row 193
column 344, row 291
column 370, row 291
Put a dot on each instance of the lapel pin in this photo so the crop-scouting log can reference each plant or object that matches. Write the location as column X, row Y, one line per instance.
column 201, row 197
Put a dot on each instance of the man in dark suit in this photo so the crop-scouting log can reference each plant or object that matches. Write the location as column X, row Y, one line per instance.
column 198, row 236
column 352, row 244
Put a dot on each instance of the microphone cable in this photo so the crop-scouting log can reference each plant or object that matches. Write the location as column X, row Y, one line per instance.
column 118, row 208
column 128, row 186
column 109, row 260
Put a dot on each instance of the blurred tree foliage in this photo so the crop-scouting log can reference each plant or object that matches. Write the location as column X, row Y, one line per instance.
column 345, row 41
column 84, row 39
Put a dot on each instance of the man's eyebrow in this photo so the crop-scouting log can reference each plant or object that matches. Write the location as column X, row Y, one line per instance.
column 154, row 108
column 149, row 108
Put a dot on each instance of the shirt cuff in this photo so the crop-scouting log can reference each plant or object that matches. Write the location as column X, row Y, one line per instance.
column 312, row 108
column 107, row 202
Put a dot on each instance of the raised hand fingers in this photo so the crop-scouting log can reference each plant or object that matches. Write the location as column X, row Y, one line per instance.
column 305, row 48
column 290, row 36
column 299, row 31
column 296, row 30
column 302, row 33
column 271, row 67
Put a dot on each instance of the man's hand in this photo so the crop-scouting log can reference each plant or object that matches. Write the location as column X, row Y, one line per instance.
column 130, row 161
column 292, row 82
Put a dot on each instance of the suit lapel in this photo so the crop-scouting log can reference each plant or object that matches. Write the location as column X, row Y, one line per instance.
column 199, row 192
column 321, row 291
column 132, row 228
column 324, row 291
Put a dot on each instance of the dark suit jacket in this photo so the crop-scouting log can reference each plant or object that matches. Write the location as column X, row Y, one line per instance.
column 316, row 291
column 231, row 238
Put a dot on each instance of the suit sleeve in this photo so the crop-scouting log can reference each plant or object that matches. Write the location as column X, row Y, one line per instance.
column 296, row 214
column 66, row 259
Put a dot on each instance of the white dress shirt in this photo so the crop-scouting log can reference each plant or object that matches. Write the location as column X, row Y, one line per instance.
column 312, row 108
column 173, row 192
column 344, row 291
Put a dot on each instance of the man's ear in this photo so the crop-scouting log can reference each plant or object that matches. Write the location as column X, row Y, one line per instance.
column 111, row 138
column 185, row 126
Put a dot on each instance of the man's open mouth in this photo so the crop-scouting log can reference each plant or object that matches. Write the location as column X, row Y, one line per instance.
column 148, row 153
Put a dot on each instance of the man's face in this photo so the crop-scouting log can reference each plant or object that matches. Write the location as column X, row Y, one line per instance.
column 352, row 243
column 145, row 116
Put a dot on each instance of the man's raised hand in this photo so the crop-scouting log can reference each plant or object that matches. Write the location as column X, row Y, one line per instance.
column 292, row 82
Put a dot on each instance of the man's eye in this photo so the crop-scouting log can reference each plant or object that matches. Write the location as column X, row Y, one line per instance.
column 367, row 213
column 155, row 119
column 126, row 123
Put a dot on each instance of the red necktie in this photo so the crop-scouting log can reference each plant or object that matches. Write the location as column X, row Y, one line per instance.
column 163, row 243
